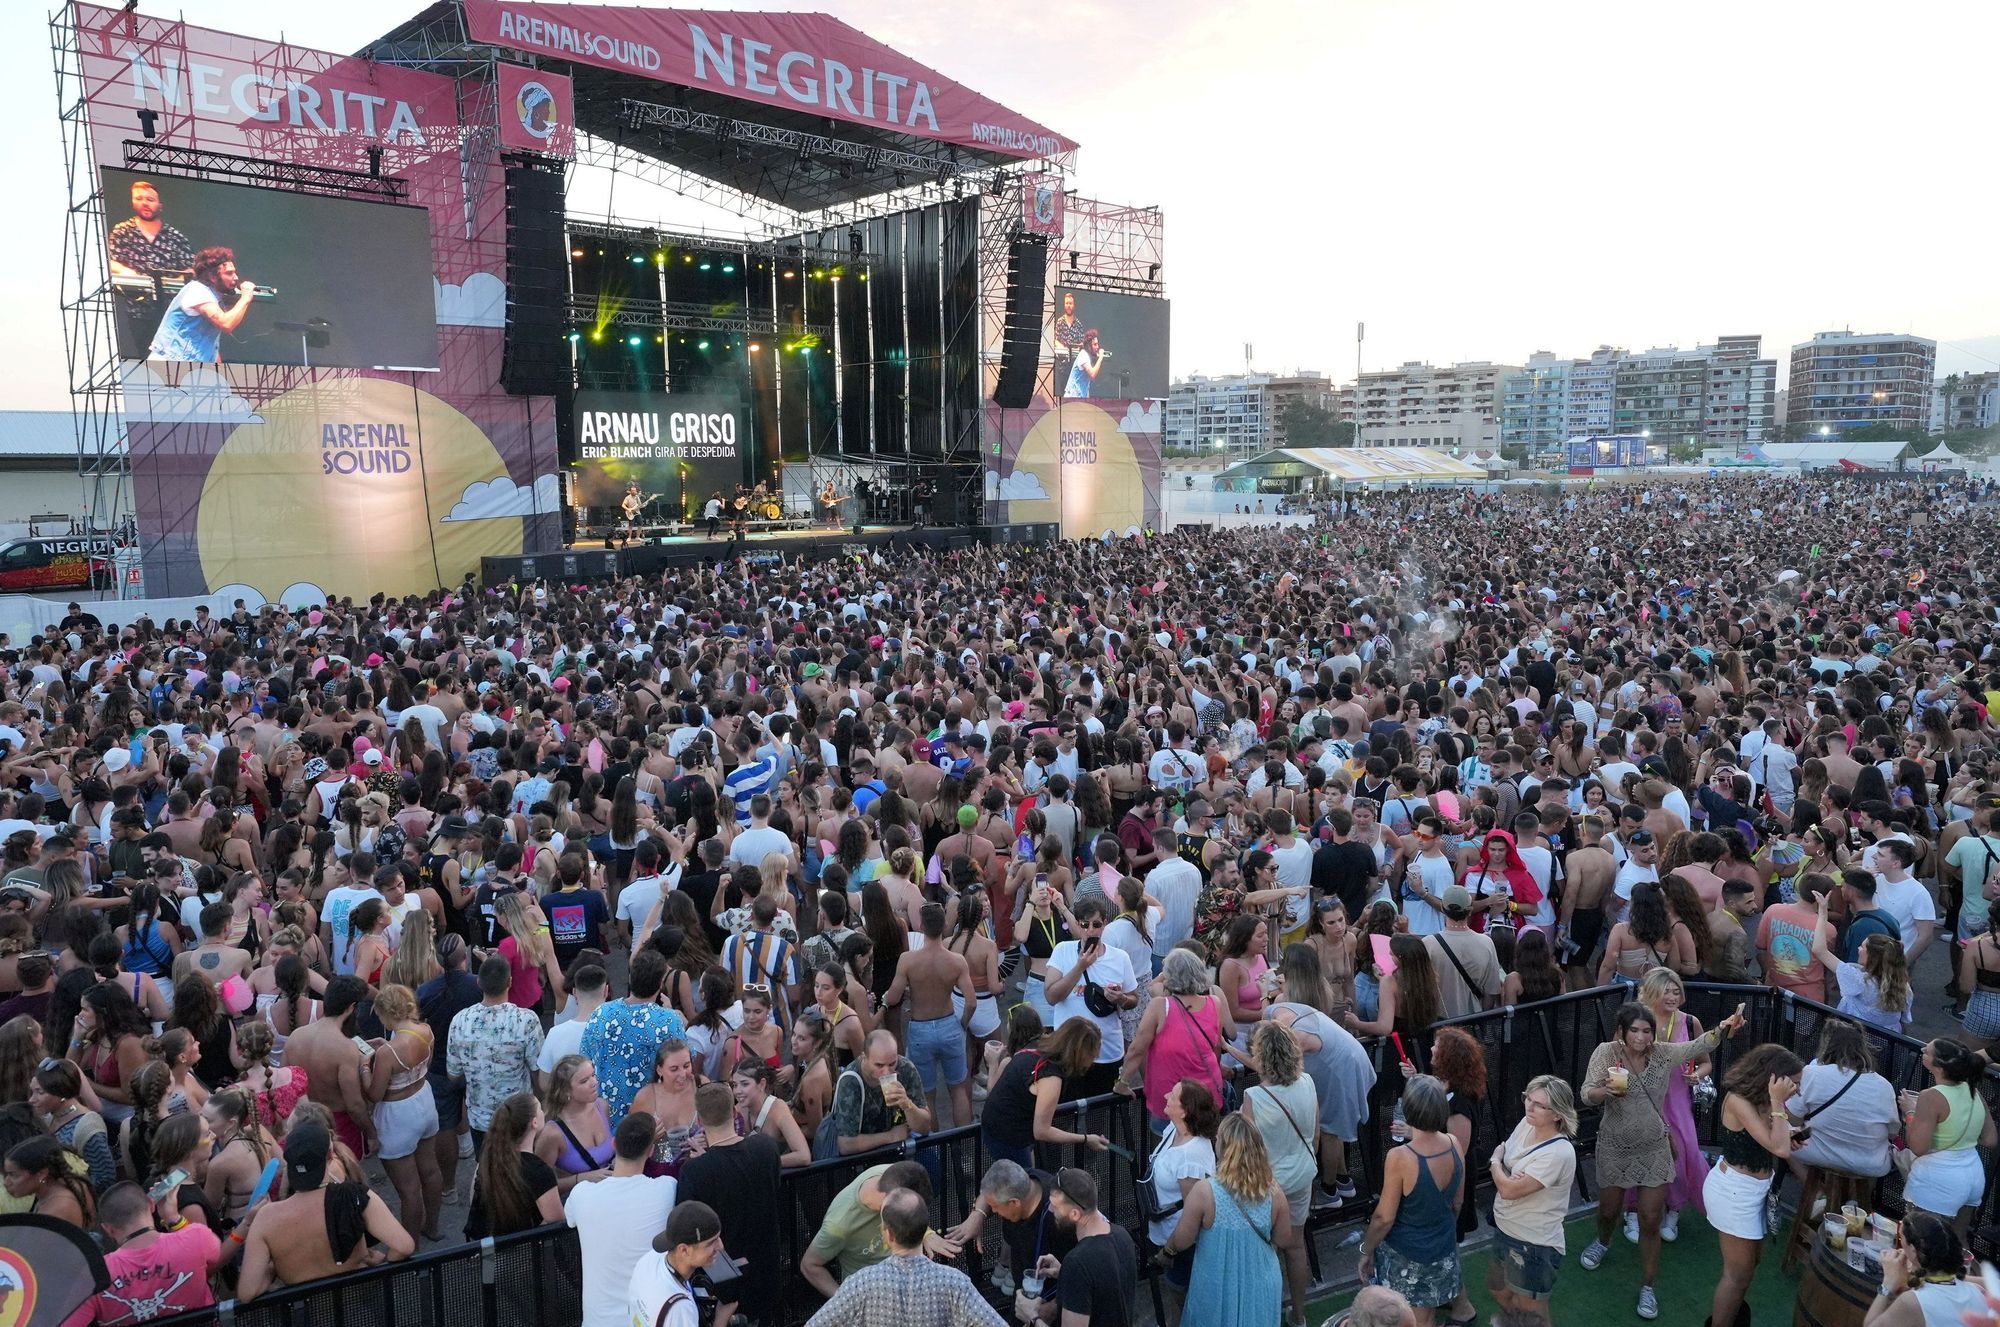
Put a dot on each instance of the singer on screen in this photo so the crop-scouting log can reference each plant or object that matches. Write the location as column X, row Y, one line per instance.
column 1090, row 359
column 192, row 327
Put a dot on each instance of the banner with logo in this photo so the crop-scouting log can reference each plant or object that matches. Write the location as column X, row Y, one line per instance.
column 808, row 63
column 1042, row 205
column 1094, row 466
column 537, row 112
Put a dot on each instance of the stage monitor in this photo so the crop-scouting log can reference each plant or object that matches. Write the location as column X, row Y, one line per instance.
column 679, row 448
column 338, row 282
column 1132, row 334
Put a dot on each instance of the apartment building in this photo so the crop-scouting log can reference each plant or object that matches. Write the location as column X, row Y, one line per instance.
column 1965, row 401
column 1720, row 394
column 1240, row 413
column 1424, row 405
column 1845, row 380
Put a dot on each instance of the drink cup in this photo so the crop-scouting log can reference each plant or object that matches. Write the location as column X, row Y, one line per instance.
column 1031, row 1286
column 1618, row 1078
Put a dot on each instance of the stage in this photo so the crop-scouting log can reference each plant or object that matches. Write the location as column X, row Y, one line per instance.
column 592, row 561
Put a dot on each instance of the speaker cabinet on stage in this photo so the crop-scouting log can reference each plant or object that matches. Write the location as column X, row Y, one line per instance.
column 1021, row 337
column 535, row 357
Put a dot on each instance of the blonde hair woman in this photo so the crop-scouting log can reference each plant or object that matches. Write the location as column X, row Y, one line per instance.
column 529, row 952
column 415, row 960
column 1236, row 1222
column 405, row 1113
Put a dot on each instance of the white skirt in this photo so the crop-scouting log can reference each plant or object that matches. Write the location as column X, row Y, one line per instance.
column 985, row 1014
column 1734, row 1201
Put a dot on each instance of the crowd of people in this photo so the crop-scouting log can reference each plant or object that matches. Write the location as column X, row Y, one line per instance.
column 614, row 902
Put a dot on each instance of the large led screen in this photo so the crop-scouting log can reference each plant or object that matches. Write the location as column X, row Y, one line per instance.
column 1108, row 347
column 212, row 273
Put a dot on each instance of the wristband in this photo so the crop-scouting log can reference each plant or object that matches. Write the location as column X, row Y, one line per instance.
column 176, row 1226
column 236, row 1235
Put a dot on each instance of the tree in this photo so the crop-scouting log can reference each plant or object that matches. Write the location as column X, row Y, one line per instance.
column 1308, row 425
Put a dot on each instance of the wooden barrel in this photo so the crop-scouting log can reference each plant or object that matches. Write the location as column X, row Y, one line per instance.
column 1832, row 1294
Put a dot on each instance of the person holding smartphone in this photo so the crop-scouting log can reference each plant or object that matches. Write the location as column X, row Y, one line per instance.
column 1090, row 979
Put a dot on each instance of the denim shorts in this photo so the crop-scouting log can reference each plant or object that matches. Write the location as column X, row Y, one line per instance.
column 935, row 1042
column 1530, row 1269
column 450, row 1099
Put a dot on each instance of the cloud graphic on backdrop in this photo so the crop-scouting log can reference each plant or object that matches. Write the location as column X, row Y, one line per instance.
column 496, row 499
column 1140, row 419
column 304, row 594
column 480, row 302
column 1021, row 486
column 197, row 394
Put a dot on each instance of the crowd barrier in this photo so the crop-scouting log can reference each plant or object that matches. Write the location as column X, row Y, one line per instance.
column 533, row 1279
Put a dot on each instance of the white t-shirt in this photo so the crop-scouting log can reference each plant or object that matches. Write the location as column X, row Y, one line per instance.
column 1112, row 967
column 636, row 900
column 652, row 1284
column 1612, row 776
column 1908, row 902
column 1541, row 865
column 1436, row 872
column 564, row 1038
column 753, row 845
column 339, row 905
column 1176, row 770
column 1122, row 934
column 1630, row 874
column 429, row 717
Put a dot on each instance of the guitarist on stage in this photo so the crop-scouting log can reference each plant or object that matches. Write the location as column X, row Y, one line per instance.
column 632, row 504
column 829, row 503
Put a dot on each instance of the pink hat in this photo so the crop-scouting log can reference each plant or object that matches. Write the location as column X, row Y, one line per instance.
column 562, row 684
column 315, row 617
column 362, row 744
column 374, row 661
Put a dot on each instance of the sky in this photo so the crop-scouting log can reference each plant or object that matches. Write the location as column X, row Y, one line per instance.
column 1474, row 181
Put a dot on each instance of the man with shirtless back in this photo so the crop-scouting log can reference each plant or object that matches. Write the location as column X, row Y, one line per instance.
column 325, row 1048
column 1589, row 871
column 321, row 1229
column 929, row 976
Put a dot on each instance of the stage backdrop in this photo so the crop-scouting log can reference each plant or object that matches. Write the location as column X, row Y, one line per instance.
column 269, row 482
column 677, row 448
column 1093, row 465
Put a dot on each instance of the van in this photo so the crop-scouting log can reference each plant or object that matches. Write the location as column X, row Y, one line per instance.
column 59, row 562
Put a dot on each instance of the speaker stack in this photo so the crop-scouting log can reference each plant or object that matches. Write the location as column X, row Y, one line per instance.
column 1021, row 336
column 535, row 355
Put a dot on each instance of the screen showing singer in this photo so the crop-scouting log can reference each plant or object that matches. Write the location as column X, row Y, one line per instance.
column 339, row 282
column 214, row 301
column 1083, row 370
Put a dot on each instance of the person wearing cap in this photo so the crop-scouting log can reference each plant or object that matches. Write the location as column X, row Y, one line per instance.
column 319, row 1229
column 906, row 1286
column 1468, row 967
column 661, row 1293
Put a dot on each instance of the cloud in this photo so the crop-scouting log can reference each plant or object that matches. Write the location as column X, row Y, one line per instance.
column 1140, row 419
column 188, row 394
column 303, row 594
column 1021, row 486
column 496, row 499
column 480, row 302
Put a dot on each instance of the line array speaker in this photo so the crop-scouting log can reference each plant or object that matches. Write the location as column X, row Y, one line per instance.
column 535, row 355
column 1020, row 344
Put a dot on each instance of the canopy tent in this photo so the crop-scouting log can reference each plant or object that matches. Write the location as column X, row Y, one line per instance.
column 1832, row 452
column 1365, row 466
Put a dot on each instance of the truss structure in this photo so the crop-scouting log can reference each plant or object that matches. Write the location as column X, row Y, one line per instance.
column 297, row 177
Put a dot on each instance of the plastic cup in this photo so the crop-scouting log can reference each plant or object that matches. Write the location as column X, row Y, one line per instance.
column 1031, row 1286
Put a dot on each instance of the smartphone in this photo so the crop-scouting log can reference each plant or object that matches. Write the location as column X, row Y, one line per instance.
column 169, row 1182
column 361, row 1044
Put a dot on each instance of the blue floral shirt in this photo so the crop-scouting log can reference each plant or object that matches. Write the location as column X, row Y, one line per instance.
column 621, row 1041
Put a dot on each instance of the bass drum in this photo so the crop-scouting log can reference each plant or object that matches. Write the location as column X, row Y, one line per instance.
column 772, row 510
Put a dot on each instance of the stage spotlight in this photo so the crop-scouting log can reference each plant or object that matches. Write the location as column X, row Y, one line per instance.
column 704, row 266
column 754, row 347
column 805, row 350
column 1152, row 271
column 375, row 160
column 1073, row 257
column 660, row 339
column 660, row 257
column 149, row 123
column 687, row 257
column 701, row 345
column 728, row 269
column 789, row 274
column 635, row 340
column 576, row 253
column 597, row 335
column 575, row 337
column 637, row 258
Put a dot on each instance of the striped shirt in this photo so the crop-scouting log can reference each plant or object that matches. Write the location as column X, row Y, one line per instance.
column 746, row 781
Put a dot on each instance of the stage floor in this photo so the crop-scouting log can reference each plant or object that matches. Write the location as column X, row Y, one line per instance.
column 697, row 535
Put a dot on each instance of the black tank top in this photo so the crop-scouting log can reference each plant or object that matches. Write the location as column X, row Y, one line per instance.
column 1744, row 1152
column 1190, row 849
column 431, row 873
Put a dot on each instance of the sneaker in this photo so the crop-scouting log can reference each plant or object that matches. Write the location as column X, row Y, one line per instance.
column 1322, row 1201
column 1593, row 1255
column 1670, row 1226
column 1003, row 1281
column 1631, row 1227
column 465, row 1147
column 1345, row 1190
column 1649, row 1303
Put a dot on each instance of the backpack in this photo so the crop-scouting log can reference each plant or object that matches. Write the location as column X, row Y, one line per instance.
column 826, row 1138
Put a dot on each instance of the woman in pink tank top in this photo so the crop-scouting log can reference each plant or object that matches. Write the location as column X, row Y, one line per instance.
column 1181, row 1035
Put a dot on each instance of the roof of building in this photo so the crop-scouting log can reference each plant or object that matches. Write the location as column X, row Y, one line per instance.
column 1362, row 465
column 37, row 433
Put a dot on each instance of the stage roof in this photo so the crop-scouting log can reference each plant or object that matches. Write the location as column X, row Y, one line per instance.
column 798, row 109
column 1360, row 465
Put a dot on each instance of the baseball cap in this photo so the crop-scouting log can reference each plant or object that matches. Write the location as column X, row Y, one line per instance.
column 315, row 768
column 453, row 827
column 306, row 1150
column 117, row 758
column 1457, row 901
column 371, row 757
column 689, row 1223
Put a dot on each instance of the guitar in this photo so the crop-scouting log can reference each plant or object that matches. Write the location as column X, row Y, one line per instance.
column 634, row 503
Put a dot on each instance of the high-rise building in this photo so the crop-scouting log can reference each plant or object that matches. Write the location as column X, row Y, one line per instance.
column 1421, row 405
column 1243, row 413
column 1965, row 401
column 1720, row 394
column 1841, row 381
